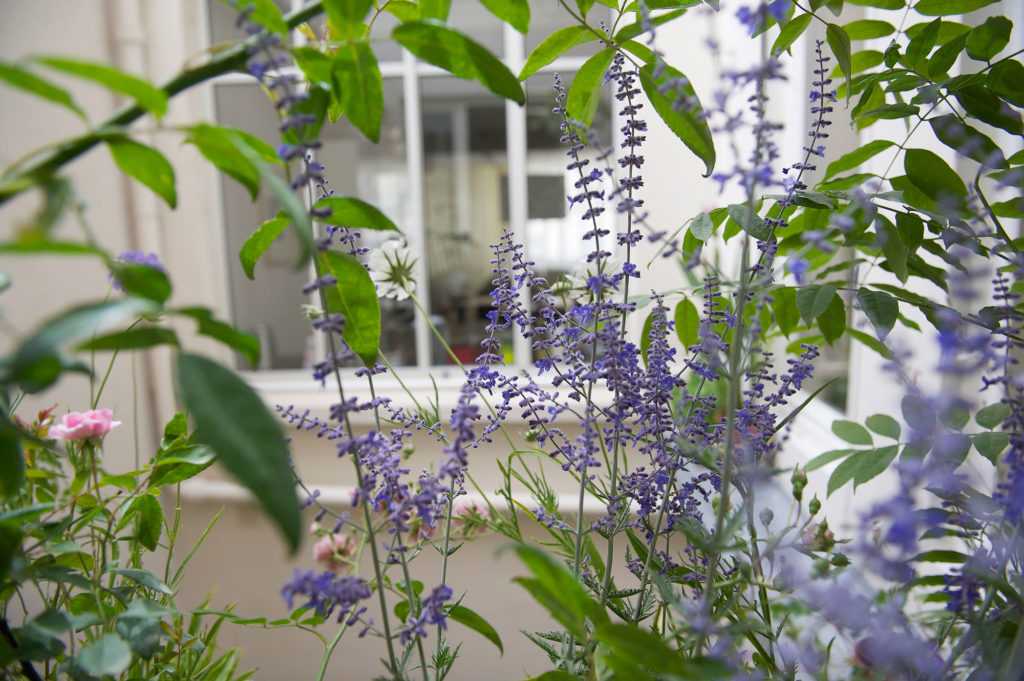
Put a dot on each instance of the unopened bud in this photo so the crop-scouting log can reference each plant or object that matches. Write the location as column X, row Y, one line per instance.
column 766, row 517
column 814, row 506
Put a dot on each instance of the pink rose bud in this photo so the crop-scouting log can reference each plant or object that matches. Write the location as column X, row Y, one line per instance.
column 89, row 425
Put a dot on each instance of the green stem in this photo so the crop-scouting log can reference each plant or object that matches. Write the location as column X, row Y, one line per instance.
column 231, row 59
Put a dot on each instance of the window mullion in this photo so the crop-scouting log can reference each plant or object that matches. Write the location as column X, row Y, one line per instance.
column 415, row 228
column 515, row 123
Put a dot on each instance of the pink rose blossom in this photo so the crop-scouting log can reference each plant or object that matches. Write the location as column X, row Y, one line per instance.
column 88, row 425
column 334, row 552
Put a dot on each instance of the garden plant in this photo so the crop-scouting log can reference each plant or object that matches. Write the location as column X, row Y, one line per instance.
column 672, row 408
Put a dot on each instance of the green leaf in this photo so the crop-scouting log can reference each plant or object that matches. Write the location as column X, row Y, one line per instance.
column 140, row 626
column 852, row 432
column 638, row 28
column 812, row 301
column 645, row 336
column 558, row 591
column 315, row 64
column 266, row 13
column 145, row 164
column 143, row 578
column 145, row 94
column 290, row 203
column 940, row 556
column 787, row 314
column 355, row 298
column 881, row 309
column 452, row 51
column 687, row 121
column 585, row 92
column 139, row 338
column 12, row 462
column 259, row 241
column 515, row 13
column 37, row 362
column 351, row 212
column 750, row 221
column 148, row 520
column 702, row 227
column 640, row 654
column 21, row 78
column 106, row 656
column 984, row 105
column 868, row 29
column 993, row 415
column 880, row 4
column 991, row 445
column 933, row 176
column 942, row 8
column 839, row 42
column 471, row 619
column 966, row 141
column 856, row 157
column 826, row 458
column 141, row 280
column 891, row 243
column 554, row 46
column 687, row 321
column 219, row 146
column 346, row 16
column 944, row 58
column 361, row 87
column 862, row 467
column 208, row 325
column 832, row 321
column 435, row 9
column 555, row 675
column 233, row 421
column 989, row 39
column 1006, row 79
column 883, row 424
column 922, row 43
column 790, row 33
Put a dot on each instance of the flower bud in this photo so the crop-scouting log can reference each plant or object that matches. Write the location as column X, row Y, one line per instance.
column 814, row 506
column 799, row 481
column 840, row 560
column 766, row 516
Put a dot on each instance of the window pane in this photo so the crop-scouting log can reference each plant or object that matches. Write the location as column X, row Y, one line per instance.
column 270, row 306
column 223, row 17
column 377, row 173
column 465, row 207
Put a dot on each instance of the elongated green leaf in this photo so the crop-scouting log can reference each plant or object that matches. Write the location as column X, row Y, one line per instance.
column 645, row 336
column 555, row 675
column 826, row 458
column 233, row 421
column 637, row 653
column 361, row 87
column 435, row 9
column 259, row 241
column 143, row 578
column 992, row 416
column 675, row 101
column 145, row 94
column 852, row 432
column 1006, row 79
column 967, row 141
column 638, row 28
column 832, row 321
column 207, row 325
column 474, row 621
column 290, row 204
column 37, row 362
column 981, row 103
column 12, row 464
column 933, row 176
column 219, row 146
column 132, row 339
column 989, row 39
column 141, row 280
column 812, row 301
column 26, row 81
column 890, row 241
column 346, row 16
column 347, row 211
column 687, row 321
column 554, row 587
column 862, row 467
column 944, row 58
column 554, row 46
column 868, row 29
column 883, row 424
column 790, row 33
column 991, row 445
column 839, row 42
column 145, row 164
column 355, row 298
column 942, row 8
column 460, row 56
column 515, row 13
column 585, row 92
column 149, row 517
column 881, row 308
column 784, row 307
column 750, row 221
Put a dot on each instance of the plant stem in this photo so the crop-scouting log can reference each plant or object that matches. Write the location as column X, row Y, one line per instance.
column 231, row 59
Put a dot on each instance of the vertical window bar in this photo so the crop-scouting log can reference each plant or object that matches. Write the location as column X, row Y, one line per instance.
column 414, row 230
column 515, row 122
